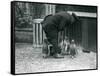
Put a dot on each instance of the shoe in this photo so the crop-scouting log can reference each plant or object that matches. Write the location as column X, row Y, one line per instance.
column 58, row 56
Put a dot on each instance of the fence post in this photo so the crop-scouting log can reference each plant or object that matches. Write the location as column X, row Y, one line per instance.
column 37, row 33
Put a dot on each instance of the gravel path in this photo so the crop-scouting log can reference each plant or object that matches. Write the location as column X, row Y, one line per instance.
column 29, row 60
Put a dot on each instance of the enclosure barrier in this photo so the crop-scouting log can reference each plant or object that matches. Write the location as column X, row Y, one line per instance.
column 71, row 32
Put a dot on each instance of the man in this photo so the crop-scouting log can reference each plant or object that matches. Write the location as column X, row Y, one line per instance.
column 52, row 24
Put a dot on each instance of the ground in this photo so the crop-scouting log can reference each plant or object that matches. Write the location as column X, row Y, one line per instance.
column 30, row 60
